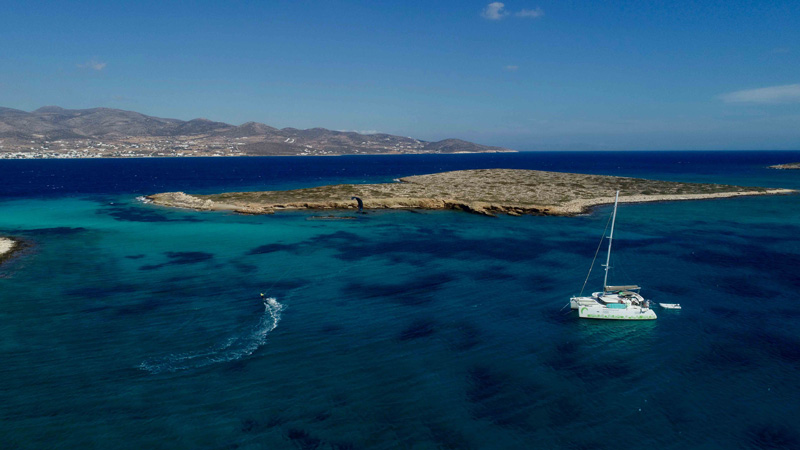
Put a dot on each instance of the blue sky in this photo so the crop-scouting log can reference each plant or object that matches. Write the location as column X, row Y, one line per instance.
column 525, row 74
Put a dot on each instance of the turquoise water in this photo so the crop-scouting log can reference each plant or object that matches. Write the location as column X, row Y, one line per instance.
column 127, row 325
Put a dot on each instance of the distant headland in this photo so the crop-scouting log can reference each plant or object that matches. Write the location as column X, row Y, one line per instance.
column 54, row 132
column 487, row 191
column 787, row 166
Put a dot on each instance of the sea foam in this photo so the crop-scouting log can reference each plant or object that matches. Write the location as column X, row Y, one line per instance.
column 233, row 348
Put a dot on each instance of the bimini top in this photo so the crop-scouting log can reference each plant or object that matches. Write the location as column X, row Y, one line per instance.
column 631, row 287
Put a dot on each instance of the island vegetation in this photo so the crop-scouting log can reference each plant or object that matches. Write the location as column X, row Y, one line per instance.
column 485, row 191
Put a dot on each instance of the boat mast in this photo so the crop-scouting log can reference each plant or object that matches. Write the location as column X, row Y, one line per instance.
column 610, row 238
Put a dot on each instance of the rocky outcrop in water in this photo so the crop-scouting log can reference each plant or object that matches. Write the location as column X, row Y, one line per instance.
column 8, row 247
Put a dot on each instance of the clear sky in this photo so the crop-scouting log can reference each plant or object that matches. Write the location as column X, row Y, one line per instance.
column 525, row 74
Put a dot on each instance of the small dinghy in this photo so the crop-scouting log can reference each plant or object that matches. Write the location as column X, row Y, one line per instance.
column 670, row 305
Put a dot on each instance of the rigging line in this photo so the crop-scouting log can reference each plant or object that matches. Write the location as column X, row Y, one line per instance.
column 622, row 271
column 288, row 268
column 280, row 277
column 284, row 273
column 595, row 257
column 626, row 276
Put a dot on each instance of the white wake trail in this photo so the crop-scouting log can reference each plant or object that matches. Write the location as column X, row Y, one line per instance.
column 235, row 347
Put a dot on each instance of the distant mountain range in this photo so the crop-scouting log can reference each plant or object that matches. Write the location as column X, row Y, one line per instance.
column 52, row 123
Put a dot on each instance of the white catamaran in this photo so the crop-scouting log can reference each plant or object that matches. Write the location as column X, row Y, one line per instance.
column 613, row 302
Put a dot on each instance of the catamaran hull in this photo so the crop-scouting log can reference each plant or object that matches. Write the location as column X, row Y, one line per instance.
column 602, row 312
column 621, row 302
column 577, row 302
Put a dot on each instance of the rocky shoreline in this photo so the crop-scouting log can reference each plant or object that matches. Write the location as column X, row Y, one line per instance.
column 8, row 247
column 488, row 192
column 582, row 206
column 788, row 166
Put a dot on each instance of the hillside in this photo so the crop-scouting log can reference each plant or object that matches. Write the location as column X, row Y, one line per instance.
column 54, row 132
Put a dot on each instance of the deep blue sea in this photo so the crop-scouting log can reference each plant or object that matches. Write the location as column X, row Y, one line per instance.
column 130, row 326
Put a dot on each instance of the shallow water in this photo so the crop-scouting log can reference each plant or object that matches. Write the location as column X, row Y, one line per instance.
column 128, row 325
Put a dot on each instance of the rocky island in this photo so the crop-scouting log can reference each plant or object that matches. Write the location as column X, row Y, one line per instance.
column 485, row 191
column 8, row 247
column 786, row 166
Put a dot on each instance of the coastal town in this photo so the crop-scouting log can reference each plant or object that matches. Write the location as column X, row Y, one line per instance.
column 138, row 147
column 204, row 146
column 53, row 132
column 125, row 148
